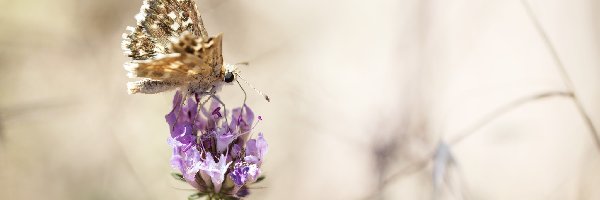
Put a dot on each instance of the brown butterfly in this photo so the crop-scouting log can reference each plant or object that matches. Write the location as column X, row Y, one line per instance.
column 170, row 49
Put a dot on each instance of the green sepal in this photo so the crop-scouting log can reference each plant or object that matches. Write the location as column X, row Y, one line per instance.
column 259, row 179
column 178, row 176
column 196, row 196
column 231, row 198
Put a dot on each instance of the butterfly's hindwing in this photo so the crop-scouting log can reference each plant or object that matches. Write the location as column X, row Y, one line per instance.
column 163, row 68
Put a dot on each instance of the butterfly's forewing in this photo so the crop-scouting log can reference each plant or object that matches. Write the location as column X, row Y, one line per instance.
column 158, row 22
column 190, row 11
column 139, row 45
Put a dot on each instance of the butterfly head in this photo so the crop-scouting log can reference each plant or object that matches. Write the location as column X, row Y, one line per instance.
column 230, row 72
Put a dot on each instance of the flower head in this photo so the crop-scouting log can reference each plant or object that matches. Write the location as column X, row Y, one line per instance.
column 213, row 152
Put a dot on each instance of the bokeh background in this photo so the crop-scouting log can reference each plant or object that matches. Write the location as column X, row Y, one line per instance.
column 363, row 95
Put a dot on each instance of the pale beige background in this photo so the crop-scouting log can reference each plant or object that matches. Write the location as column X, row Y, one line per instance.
column 361, row 90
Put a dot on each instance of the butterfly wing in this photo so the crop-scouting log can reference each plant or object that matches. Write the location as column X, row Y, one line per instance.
column 170, row 47
column 158, row 22
column 192, row 57
column 208, row 52
column 172, row 66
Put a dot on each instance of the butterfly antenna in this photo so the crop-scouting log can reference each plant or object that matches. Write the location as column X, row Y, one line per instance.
column 257, row 91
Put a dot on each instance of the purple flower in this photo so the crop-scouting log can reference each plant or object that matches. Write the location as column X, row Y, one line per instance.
column 172, row 116
column 184, row 159
column 242, row 192
column 236, row 151
column 207, row 139
column 214, row 171
column 244, row 172
column 224, row 138
column 256, row 149
column 207, row 119
column 181, row 119
column 217, row 112
column 242, row 119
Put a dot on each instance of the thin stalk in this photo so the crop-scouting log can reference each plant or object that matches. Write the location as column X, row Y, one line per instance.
column 563, row 73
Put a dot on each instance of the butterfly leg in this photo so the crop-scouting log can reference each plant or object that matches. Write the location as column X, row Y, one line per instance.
column 245, row 95
column 212, row 94
column 209, row 93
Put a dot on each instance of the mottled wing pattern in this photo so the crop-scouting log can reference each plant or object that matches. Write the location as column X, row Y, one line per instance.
column 191, row 56
column 208, row 51
column 158, row 22
column 138, row 45
column 190, row 12
column 170, row 47
column 173, row 66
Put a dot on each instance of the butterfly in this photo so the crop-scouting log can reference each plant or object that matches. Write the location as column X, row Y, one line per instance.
column 170, row 48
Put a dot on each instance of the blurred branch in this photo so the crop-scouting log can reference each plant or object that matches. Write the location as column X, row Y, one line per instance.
column 563, row 72
column 502, row 110
column 469, row 131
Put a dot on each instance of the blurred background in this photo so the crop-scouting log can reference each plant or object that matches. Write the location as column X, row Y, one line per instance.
column 407, row 99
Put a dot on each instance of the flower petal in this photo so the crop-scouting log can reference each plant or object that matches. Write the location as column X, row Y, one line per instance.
column 224, row 139
column 256, row 149
column 215, row 170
